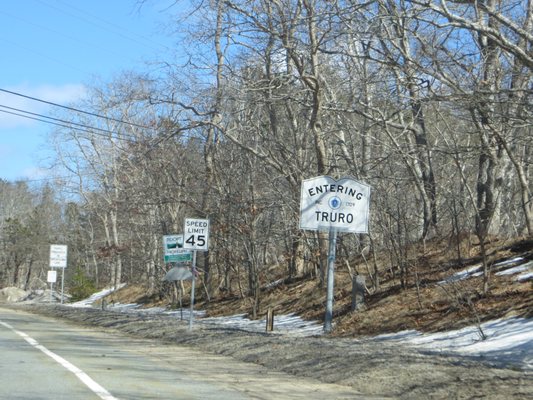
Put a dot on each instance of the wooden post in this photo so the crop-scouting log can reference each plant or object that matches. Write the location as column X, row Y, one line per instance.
column 358, row 292
column 270, row 320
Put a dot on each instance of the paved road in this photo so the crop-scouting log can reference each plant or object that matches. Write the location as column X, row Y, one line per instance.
column 44, row 358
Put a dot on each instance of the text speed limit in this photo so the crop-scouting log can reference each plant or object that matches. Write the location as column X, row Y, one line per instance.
column 196, row 234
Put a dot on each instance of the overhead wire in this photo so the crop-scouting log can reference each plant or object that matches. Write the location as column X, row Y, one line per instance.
column 78, row 126
column 67, row 124
column 116, row 29
column 85, row 17
column 98, row 22
column 55, row 121
column 43, row 55
column 55, row 32
column 70, row 124
column 73, row 109
column 41, row 120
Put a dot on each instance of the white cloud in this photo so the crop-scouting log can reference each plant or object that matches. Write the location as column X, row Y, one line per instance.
column 63, row 94
column 34, row 173
column 60, row 94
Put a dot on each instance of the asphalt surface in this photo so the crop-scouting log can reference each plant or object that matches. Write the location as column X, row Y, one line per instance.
column 45, row 358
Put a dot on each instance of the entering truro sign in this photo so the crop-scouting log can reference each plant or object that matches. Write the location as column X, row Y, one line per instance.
column 341, row 205
column 334, row 206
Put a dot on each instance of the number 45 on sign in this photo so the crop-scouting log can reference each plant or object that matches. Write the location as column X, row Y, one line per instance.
column 196, row 234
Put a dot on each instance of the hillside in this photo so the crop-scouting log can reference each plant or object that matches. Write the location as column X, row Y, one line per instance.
column 448, row 295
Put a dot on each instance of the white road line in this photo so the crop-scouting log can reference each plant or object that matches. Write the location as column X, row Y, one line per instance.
column 82, row 376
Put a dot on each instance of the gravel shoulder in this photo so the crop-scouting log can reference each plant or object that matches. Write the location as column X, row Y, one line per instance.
column 372, row 368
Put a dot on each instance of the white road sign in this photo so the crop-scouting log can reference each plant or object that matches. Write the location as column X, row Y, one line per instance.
column 196, row 234
column 341, row 205
column 58, row 256
column 51, row 276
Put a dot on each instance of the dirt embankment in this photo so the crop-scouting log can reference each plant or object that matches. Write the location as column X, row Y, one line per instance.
column 371, row 367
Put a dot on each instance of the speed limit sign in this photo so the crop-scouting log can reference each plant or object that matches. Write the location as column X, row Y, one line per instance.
column 196, row 234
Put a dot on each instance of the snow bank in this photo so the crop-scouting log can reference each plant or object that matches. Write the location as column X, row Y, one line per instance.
column 508, row 341
column 96, row 296
column 512, row 266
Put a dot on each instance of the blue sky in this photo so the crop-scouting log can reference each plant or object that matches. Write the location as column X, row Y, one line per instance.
column 51, row 49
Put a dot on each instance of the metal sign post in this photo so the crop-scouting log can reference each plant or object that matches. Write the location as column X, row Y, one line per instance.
column 51, row 278
column 62, row 285
column 334, row 206
column 178, row 273
column 193, row 280
column 58, row 259
column 331, row 275
column 195, row 237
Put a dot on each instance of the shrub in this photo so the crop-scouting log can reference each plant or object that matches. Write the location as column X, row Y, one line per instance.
column 81, row 285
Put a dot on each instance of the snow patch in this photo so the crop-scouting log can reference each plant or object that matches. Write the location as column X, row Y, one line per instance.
column 88, row 302
column 508, row 342
column 464, row 274
column 511, row 266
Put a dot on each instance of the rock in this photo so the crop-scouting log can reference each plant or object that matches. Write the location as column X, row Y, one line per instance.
column 12, row 295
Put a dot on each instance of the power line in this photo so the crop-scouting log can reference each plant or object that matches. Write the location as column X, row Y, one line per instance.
column 36, row 119
column 101, row 23
column 82, row 128
column 43, row 55
column 51, row 119
column 74, row 109
column 117, row 30
column 55, row 32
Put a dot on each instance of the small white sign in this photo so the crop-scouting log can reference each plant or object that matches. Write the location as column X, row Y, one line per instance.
column 196, row 234
column 341, row 205
column 58, row 255
column 52, row 276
